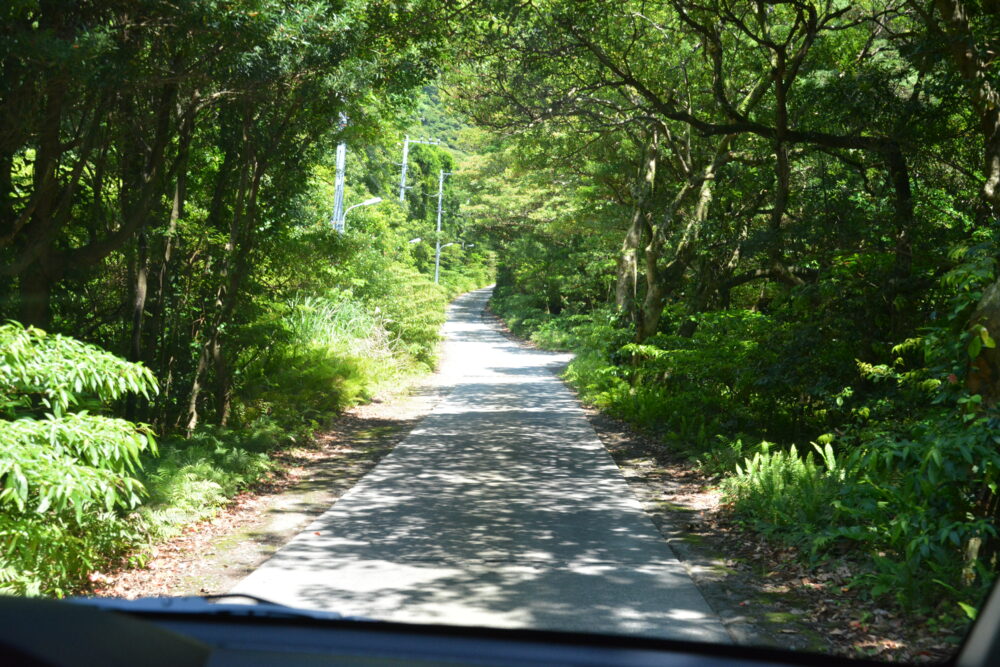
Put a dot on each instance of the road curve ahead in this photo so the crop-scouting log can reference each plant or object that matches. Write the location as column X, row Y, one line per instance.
column 500, row 509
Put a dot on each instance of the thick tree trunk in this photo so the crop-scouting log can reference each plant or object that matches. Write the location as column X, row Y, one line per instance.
column 35, row 293
column 991, row 131
column 626, row 285
column 984, row 371
column 662, row 280
column 196, row 386
column 553, row 296
column 984, row 96
column 138, row 313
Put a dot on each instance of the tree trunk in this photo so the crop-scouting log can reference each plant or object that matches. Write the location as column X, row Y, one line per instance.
column 985, row 98
column 223, row 383
column 138, row 314
column 162, row 356
column 35, row 293
column 661, row 281
column 626, row 286
column 984, row 371
column 237, row 250
column 7, row 220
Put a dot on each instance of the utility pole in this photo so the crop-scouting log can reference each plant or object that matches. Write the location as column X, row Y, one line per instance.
column 437, row 250
column 338, row 184
column 406, row 154
column 338, row 193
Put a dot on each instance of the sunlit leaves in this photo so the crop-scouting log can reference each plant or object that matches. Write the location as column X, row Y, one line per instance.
column 61, row 465
column 51, row 371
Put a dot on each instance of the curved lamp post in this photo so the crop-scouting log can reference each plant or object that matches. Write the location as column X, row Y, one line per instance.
column 437, row 260
column 367, row 202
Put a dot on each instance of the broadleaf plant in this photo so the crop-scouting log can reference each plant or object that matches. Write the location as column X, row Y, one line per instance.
column 61, row 471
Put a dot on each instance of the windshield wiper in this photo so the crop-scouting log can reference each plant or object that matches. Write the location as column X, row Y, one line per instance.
column 202, row 605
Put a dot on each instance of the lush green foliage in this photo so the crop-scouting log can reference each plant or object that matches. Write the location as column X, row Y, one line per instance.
column 67, row 476
column 760, row 231
column 757, row 230
column 193, row 477
column 900, row 483
column 166, row 188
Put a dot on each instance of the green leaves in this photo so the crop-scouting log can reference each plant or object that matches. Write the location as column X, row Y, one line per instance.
column 53, row 372
column 60, row 469
column 980, row 339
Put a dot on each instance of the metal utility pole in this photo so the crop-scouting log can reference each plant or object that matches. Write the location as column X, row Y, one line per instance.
column 437, row 250
column 367, row 202
column 338, row 184
column 406, row 154
column 338, row 193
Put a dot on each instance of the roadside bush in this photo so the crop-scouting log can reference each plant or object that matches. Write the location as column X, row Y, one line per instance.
column 788, row 493
column 904, row 479
column 523, row 313
column 912, row 509
column 67, row 479
column 413, row 309
column 329, row 353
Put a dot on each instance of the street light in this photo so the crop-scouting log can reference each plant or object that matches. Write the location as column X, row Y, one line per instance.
column 416, row 240
column 437, row 259
column 367, row 202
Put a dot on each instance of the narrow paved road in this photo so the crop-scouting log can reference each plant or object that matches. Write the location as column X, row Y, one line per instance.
column 500, row 509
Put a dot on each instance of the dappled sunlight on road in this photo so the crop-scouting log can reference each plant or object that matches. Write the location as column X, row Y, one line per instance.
column 501, row 509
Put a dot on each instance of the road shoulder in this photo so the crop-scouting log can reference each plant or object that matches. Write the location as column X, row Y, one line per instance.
column 211, row 556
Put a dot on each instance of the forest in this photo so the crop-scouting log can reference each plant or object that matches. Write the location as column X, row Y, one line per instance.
column 177, row 302
column 766, row 229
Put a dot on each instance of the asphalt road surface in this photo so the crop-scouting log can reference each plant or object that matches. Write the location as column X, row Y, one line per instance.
column 500, row 509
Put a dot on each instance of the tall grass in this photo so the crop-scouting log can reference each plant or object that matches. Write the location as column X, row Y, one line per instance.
column 331, row 352
column 339, row 324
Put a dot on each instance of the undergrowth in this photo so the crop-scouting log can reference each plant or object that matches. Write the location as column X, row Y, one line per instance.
column 891, row 465
column 82, row 491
